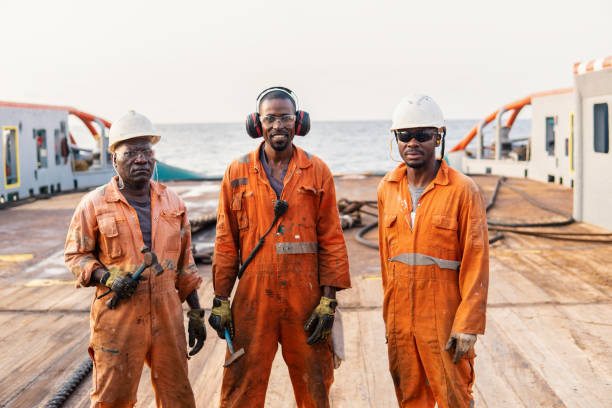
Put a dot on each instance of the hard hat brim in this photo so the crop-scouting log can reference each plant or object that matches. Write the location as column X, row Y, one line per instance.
column 154, row 139
column 415, row 126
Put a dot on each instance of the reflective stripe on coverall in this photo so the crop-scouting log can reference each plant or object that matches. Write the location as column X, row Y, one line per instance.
column 282, row 285
column 435, row 279
column 148, row 327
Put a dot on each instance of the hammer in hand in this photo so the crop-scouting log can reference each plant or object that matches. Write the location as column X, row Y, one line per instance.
column 150, row 260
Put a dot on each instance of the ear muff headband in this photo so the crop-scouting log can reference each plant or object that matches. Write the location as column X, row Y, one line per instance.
column 288, row 91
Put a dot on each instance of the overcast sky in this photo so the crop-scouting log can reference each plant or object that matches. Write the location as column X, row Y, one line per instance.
column 206, row 61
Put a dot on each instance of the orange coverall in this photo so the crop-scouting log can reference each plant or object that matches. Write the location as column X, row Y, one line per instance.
column 435, row 278
column 148, row 327
column 282, row 285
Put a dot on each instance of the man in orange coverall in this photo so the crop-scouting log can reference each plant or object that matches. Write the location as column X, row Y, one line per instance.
column 103, row 247
column 434, row 255
column 287, row 293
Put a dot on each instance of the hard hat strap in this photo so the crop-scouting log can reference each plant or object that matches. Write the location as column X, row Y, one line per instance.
column 443, row 131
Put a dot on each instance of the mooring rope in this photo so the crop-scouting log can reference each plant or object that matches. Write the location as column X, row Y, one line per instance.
column 70, row 385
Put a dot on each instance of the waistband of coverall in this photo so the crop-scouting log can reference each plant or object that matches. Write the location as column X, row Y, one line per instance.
column 447, row 269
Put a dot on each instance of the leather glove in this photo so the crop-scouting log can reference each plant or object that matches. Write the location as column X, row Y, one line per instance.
column 123, row 286
column 196, row 330
column 462, row 342
column 320, row 322
column 221, row 317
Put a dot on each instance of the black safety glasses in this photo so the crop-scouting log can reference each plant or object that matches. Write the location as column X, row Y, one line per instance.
column 421, row 135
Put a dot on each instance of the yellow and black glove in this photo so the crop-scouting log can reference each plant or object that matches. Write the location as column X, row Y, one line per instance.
column 221, row 317
column 320, row 322
column 121, row 283
column 196, row 330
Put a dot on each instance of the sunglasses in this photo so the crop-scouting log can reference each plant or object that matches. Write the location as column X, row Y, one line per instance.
column 421, row 136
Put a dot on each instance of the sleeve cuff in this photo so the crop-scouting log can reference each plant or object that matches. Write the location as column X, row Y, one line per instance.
column 84, row 275
column 187, row 283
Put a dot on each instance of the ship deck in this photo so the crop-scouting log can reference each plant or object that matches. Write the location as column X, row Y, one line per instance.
column 547, row 343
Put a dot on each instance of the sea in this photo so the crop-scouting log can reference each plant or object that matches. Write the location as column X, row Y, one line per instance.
column 348, row 147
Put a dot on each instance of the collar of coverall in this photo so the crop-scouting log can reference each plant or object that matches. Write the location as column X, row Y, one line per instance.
column 299, row 157
column 113, row 194
column 400, row 172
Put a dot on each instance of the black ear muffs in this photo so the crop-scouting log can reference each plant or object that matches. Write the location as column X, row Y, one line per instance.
column 302, row 123
column 254, row 129
column 253, row 126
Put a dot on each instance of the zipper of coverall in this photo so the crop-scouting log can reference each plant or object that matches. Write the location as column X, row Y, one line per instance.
column 263, row 178
column 414, row 242
column 154, row 221
column 429, row 187
column 284, row 195
column 135, row 222
column 405, row 193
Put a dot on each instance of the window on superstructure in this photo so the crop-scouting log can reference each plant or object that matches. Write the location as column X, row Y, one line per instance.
column 601, row 129
column 11, row 159
column 57, row 147
column 550, row 135
column 40, row 138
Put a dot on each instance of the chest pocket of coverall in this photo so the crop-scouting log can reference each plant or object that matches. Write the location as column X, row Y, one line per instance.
column 109, row 234
column 391, row 230
column 309, row 198
column 170, row 231
column 240, row 209
column 445, row 233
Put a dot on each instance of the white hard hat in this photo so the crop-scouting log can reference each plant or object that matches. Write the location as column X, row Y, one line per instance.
column 416, row 111
column 131, row 126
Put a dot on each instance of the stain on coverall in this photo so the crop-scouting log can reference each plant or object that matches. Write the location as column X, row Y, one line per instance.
column 148, row 327
column 282, row 285
column 435, row 280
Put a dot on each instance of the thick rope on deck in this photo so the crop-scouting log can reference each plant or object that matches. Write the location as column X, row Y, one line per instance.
column 348, row 207
column 502, row 180
column 70, row 385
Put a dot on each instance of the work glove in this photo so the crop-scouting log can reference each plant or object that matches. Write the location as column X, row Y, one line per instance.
column 462, row 342
column 196, row 330
column 320, row 322
column 123, row 286
column 221, row 317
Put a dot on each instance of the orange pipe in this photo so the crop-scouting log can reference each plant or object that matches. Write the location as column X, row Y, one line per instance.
column 92, row 129
column 89, row 117
column 86, row 118
column 512, row 118
column 516, row 106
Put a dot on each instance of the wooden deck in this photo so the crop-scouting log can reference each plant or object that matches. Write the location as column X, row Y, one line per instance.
column 549, row 327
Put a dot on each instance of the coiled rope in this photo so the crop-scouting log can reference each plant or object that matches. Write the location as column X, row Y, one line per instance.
column 502, row 226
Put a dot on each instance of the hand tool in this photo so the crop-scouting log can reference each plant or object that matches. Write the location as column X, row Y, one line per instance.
column 233, row 356
column 150, row 260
